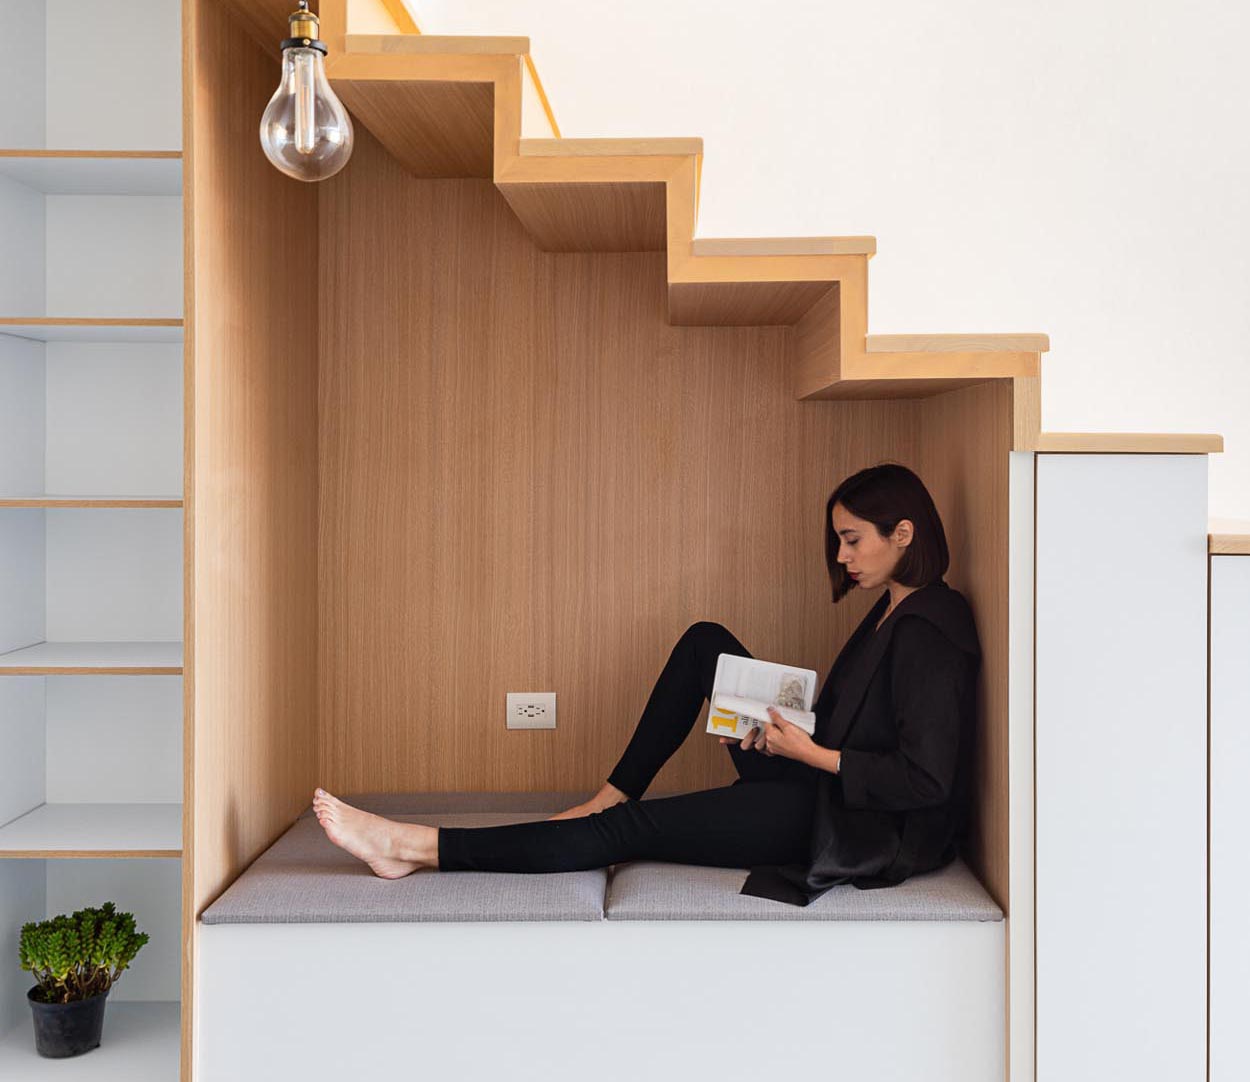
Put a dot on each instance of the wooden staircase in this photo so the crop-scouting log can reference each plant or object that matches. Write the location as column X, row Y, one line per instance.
column 452, row 107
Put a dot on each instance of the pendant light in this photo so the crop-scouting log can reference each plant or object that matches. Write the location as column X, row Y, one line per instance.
column 305, row 132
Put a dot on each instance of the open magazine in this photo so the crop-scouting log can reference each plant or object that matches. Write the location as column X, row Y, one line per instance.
column 745, row 687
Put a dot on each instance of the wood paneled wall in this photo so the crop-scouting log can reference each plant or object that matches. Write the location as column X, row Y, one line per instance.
column 251, row 485
column 531, row 482
column 966, row 440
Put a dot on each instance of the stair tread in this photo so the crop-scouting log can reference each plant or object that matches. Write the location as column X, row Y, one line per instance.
column 764, row 246
column 424, row 44
column 625, row 147
column 590, row 194
column 957, row 343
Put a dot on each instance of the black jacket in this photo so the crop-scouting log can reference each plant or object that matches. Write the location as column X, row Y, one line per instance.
column 906, row 725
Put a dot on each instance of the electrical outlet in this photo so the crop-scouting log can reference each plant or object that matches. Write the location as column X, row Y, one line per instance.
column 531, row 709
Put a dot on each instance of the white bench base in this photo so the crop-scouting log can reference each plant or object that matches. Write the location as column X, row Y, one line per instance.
column 569, row 1001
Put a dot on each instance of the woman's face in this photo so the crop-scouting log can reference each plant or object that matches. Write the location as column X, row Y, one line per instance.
column 869, row 558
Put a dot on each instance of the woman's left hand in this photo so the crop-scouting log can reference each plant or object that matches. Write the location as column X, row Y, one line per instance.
column 781, row 737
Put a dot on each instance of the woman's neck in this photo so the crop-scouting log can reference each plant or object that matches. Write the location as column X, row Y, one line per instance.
column 897, row 592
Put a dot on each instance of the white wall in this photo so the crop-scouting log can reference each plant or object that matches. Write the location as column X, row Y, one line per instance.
column 79, row 76
column 23, row 893
column 1072, row 168
column 131, row 113
column 22, row 87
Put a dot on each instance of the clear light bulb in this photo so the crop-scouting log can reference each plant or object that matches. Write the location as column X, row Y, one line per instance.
column 305, row 131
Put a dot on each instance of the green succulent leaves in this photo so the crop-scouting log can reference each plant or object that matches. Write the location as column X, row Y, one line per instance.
column 78, row 956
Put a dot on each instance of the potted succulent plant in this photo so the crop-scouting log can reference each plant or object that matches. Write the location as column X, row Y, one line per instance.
column 75, row 959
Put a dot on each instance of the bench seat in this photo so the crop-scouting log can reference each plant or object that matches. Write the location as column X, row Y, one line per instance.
column 304, row 878
column 309, row 966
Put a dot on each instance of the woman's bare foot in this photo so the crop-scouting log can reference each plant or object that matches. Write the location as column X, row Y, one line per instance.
column 605, row 798
column 392, row 850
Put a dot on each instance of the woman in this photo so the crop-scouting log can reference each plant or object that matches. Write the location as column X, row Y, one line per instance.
column 879, row 793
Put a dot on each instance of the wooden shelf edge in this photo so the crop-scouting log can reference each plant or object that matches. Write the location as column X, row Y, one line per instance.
column 94, row 830
column 11, row 152
column 90, row 854
column 124, row 658
column 91, row 670
column 1178, row 443
column 91, row 501
column 149, row 155
column 89, row 321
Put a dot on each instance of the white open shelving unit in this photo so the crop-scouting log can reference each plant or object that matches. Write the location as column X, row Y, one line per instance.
column 91, row 512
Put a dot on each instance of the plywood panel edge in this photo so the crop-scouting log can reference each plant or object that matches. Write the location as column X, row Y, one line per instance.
column 190, row 37
column 1026, row 412
column 967, row 437
column 984, row 495
column 249, row 472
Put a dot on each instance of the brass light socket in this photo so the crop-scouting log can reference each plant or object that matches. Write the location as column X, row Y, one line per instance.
column 304, row 24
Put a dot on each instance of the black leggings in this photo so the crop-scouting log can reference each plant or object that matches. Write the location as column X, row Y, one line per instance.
column 762, row 818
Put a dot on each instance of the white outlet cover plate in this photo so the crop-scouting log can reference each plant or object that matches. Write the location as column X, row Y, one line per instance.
column 531, row 709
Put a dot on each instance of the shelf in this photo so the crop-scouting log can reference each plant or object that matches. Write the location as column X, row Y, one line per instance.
column 95, row 172
column 90, row 501
column 83, row 658
column 65, row 831
column 140, row 1041
column 68, row 329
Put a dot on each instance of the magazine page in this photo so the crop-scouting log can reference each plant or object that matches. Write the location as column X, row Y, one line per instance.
column 744, row 688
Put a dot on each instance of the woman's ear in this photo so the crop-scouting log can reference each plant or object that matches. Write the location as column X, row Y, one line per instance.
column 903, row 532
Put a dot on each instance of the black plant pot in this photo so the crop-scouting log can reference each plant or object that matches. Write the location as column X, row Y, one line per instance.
column 67, row 1029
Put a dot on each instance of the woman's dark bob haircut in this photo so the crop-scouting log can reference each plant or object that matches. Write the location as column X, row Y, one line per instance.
column 884, row 495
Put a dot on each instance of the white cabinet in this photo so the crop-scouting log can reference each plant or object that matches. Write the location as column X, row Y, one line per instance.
column 1230, row 816
column 1121, row 766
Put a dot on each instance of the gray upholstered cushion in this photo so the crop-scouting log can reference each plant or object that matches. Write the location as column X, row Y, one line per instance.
column 651, row 890
column 305, row 878
column 394, row 804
